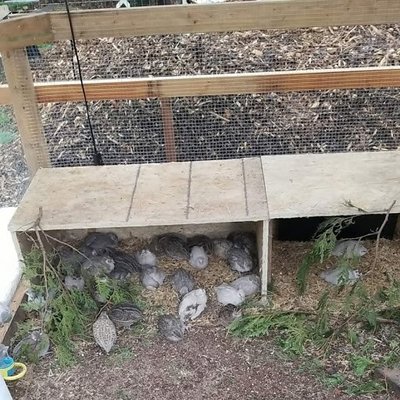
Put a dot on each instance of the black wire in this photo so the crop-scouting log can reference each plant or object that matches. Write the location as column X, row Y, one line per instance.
column 97, row 158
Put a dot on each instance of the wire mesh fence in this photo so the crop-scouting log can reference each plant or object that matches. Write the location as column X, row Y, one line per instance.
column 217, row 53
column 220, row 127
column 223, row 127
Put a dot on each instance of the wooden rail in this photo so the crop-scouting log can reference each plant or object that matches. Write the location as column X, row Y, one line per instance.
column 141, row 21
column 206, row 85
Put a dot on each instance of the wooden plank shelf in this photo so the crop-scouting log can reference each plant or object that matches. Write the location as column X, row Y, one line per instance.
column 210, row 197
column 311, row 185
column 144, row 195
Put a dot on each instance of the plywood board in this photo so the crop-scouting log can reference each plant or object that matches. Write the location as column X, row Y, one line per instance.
column 143, row 195
column 320, row 184
column 76, row 197
column 218, row 191
column 161, row 194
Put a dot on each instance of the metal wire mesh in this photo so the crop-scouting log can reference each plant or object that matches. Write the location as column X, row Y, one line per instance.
column 223, row 127
column 217, row 53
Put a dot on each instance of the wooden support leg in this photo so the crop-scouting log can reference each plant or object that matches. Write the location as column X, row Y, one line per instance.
column 264, row 239
column 20, row 82
column 397, row 228
column 169, row 131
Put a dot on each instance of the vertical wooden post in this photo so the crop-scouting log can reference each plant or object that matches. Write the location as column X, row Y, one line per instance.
column 264, row 244
column 20, row 83
column 169, row 131
column 397, row 228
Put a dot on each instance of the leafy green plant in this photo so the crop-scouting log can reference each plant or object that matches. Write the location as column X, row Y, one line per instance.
column 361, row 364
column 324, row 242
column 67, row 315
column 293, row 329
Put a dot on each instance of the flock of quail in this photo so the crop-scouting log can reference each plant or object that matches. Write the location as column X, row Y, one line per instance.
column 99, row 256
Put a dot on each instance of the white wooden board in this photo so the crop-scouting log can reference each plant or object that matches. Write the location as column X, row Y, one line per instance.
column 72, row 198
column 144, row 195
column 320, row 184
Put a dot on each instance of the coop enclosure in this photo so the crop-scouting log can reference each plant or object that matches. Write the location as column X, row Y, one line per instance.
column 190, row 83
column 216, row 109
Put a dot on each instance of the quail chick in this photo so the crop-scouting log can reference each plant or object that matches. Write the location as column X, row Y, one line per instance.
column 337, row 276
column 198, row 258
column 125, row 315
column 227, row 294
column 104, row 332
column 152, row 277
column 349, row 249
column 99, row 240
column 171, row 327
column 74, row 283
column 250, row 284
column 97, row 266
column 171, row 245
column 124, row 260
column 240, row 260
column 192, row 304
column 228, row 314
column 72, row 260
column 5, row 314
column 201, row 241
column 120, row 274
column 182, row 281
column 33, row 346
column 244, row 240
column 222, row 248
column 146, row 257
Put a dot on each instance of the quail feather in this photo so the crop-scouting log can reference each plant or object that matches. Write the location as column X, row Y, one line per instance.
column 240, row 260
column 182, row 281
column 245, row 241
column 104, row 332
column 201, row 241
column 250, row 284
column 146, row 257
column 97, row 266
column 198, row 258
column 74, row 283
column 125, row 259
column 349, row 249
column 152, row 277
column 172, row 245
column 338, row 275
column 99, row 240
column 125, row 314
column 5, row 314
column 222, row 248
column 192, row 304
column 33, row 346
column 227, row 294
column 171, row 327
column 228, row 314
column 72, row 259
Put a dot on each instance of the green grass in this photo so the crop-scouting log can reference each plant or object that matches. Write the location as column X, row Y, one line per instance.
column 8, row 130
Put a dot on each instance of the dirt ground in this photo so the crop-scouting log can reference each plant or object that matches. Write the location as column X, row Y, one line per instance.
column 208, row 364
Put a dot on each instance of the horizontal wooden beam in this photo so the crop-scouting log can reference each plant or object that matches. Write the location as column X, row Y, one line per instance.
column 24, row 31
column 211, row 85
column 240, row 16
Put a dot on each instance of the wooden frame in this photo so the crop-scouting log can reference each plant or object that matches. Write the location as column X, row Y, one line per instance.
column 142, row 21
column 19, row 32
column 206, row 85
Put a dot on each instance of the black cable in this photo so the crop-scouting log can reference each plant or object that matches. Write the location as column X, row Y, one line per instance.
column 97, row 158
